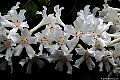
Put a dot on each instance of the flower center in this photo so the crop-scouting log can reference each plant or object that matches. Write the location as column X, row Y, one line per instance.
column 43, row 40
column 79, row 34
column 87, row 56
column 6, row 43
column 105, row 59
column 95, row 36
column 52, row 29
column 16, row 23
column 60, row 41
column 115, row 21
column 99, row 47
column 24, row 41
column 115, row 56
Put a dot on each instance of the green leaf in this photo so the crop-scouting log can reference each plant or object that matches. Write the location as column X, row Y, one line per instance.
column 43, row 2
column 31, row 10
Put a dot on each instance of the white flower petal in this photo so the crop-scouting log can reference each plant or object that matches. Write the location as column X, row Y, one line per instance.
column 78, row 23
column 92, row 63
column 14, row 36
column 8, row 54
column 23, row 61
column 50, row 59
column 18, row 49
column 53, row 57
column 24, row 24
column 101, row 42
column 101, row 66
column 79, row 61
column 117, row 49
column 29, row 66
column 1, row 55
column 25, row 33
column 72, row 43
column 30, row 51
column 64, row 49
column 2, row 48
column 6, row 23
column 45, row 18
column 32, row 40
column 80, row 51
column 69, row 29
column 107, row 66
column 69, row 71
column 11, row 65
column 40, row 63
column 56, row 47
column 21, row 15
column 58, row 14
column 88, row 40
column 8, row 17
column 13, row 14
column 41, row 48
column 59, row 66
column 16, row 6
column 89, row 64
column 69, row 57
column 87, row 10
column 99, row 55
column 3, row 65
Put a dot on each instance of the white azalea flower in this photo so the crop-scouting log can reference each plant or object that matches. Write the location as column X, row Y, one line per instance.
column 45, row 20
column 105, row 57
column 61, row 59
column 79, row 31
column 52, row 27
column 5, row 63
column 35, row 59
column 111, row 15
column 51, row 19
column 116, row 54
column 58, row 14
column 23, row 41
column 84, row 13
column 115, row 70
column 16, row 6
column 61, row 42
column 6, row 44
column 83, row 26
column 44, row 40
column 99, row 34
column 85, row 56
column 14, row 19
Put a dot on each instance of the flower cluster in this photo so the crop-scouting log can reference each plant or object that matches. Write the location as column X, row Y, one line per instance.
column 61, row 39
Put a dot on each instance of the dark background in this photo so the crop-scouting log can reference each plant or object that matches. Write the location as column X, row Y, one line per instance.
column 68, row 16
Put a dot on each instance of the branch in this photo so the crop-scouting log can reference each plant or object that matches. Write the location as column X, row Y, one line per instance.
column 114, row 41
column 114, row 35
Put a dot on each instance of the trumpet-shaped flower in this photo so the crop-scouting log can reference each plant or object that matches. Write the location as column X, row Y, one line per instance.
column 61, row 59
column 6, row 44
column 85, row 56
column 79, row 31
column 43, row 39
column 23, row 41
column 14, row 19
column 61, row 42
column 99, row 34
column 35, row 59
